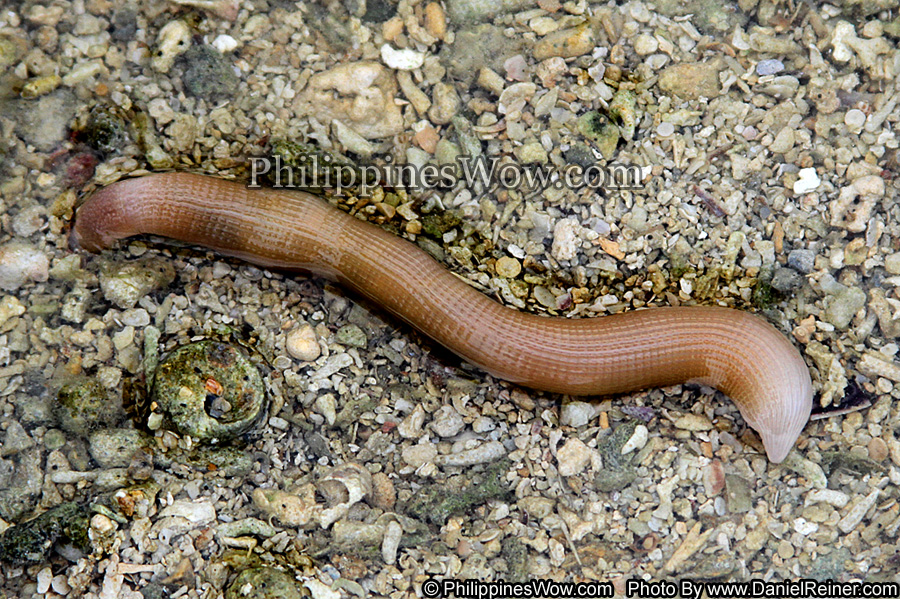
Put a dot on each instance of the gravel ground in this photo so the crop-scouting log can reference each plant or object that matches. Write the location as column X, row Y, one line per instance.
column 766, row 136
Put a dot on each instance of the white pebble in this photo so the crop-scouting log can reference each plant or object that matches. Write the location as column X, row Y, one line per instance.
column 82, row 72
column 842, row 32
column 109, row 376
column 657, row 61
column 805, row 527
column 43, row 580
column 855, row 514
column 565, row 239
column 411, row 426
column 136, row 317
column 60, row 585
column 20, row 263
column 320, row 590
column 197, row 512
column 665, row 129
column 224, row 43
column 333, row 364
column 391, row 542
column 577, row 413
column 807, row 181
column 351, row 140
column 855, row 119
column 279, row 423
column 404, row 60
column 637, row 441
column 327, row 407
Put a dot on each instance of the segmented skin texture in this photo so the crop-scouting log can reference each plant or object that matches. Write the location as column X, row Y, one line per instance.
column 736, row 352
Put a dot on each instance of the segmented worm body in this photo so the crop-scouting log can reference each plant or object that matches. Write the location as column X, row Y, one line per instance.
column 736, row 352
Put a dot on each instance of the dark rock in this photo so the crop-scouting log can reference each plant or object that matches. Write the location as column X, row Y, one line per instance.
column 208, row 74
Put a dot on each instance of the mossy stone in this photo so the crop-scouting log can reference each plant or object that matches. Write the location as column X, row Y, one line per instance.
column 264, row 583
column 210, row 390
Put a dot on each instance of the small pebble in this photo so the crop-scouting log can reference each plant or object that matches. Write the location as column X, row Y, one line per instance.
column 197, row 512
column 567, row 43
column 20, row 263
column 577, row 413
column 807, row 181
column 802, row 260
column 384, row 495
column 60, row 584
column 418, row 455
column 537, row 507
column 531, row 153
column 645, row 44
column 125, row 283
column 807, row 468
column 174, row 39
column 665, row 129
column 508, row 267
column 693, row 422
column 691, row 80
column 714, row 478
column 856, row 513
column 404, row 60
column 447, row 422
column 15, row 440
column 832, row 497
column 637, row 441
column 565, row 239
column 435, row 20
column 29, row 221
column 892, row 263
column 302, row 343
column 785, row 549
column 490, row 81
column 769, row 67
column 391, row 542
column 482, row 454
column 392, row 28
column 411, row 426
column 783, row 142
column 445, row 103
column 320, row 590
column 327, row 407
column 573, row 457
column 225, row 43
column 334, row 363
column 543, row 25
column 805, row 527
column 843, row 306
column 514, row 97
column 786, row 279
column 10, row 307
column 875, row 364
column 516, row 68
column 855, row 119
column 878, row 449
column 351, row 335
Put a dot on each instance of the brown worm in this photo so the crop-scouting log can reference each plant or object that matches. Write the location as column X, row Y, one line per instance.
column 738, row 353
